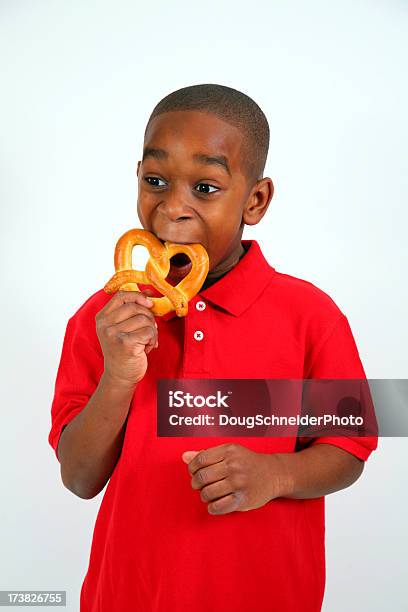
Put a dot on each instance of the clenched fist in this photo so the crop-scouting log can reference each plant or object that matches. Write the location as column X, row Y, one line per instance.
column 127, row 332
column 231, row 477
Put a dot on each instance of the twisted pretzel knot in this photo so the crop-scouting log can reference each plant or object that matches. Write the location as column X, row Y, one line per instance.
column 157, row 268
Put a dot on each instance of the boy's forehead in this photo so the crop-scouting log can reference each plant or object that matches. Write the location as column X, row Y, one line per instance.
column 193, row 134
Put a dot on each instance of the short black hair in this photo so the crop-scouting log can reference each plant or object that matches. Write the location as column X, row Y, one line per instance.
column 231, row 106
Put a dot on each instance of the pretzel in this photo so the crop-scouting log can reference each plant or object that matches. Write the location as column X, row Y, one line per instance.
column 156, row 270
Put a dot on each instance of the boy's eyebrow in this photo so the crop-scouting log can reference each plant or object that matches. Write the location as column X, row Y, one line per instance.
column 202, row 158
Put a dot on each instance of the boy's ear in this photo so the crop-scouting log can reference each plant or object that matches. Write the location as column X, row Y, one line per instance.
column 258, row 201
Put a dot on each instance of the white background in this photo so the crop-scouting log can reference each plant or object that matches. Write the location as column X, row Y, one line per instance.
column 79, row 80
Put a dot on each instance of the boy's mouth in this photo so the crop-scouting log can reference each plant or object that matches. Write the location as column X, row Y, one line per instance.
column 180, row 265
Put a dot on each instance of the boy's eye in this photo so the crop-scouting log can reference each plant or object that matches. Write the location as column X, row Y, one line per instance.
column 203, row 187
column 153, row 178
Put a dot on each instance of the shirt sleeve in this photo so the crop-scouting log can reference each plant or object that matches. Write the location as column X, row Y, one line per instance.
column 79, row 371
column 338, row 358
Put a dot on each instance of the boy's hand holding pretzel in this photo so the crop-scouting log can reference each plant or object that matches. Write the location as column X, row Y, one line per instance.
column 127, row 332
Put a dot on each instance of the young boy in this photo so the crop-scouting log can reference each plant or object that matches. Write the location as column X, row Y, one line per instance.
column 203, row 524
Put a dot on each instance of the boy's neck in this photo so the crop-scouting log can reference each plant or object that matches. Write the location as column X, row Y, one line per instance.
column 228, row 264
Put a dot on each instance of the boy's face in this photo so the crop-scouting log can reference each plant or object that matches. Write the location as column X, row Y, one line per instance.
column 192, row 187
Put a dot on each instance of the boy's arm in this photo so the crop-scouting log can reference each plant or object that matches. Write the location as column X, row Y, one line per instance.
column 317, row 471
column 233, row 477
column 91, row 443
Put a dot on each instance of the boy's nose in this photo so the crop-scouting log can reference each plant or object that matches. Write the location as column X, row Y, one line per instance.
column 175, row 208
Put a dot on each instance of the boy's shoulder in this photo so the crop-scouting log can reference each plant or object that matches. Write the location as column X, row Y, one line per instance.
column 299, row 286
column 301, row 296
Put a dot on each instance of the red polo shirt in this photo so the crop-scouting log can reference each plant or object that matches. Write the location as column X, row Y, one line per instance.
column 155, row 547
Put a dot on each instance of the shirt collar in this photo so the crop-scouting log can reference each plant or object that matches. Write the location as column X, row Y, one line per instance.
column 242, row 285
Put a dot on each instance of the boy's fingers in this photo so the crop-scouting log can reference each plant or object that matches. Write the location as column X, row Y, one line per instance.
column 207, row 457
column 187, row 456
column 142, row 336
column 122, row 297
column 134, row 323
column 127, row 311
column 210, row 475
column 226, row 504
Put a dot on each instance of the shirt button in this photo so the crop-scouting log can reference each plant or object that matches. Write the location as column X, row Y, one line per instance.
column 198, row 335
column 200, row 305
